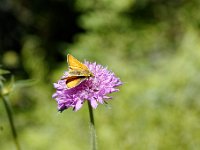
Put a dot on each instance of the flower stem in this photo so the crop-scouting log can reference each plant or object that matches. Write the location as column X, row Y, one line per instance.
column 92, row 127
column 10, row 118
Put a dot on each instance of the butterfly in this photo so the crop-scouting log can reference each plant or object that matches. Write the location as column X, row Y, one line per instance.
column 78, row 72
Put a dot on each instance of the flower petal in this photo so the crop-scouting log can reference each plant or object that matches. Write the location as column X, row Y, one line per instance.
column 78, row 105
column 94, row 103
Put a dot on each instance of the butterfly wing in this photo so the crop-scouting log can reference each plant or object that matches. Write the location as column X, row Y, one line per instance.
column 76, row 68
column 75, row 64
column 73, row 81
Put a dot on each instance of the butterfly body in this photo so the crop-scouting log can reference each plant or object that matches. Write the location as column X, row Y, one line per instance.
column 77, row 73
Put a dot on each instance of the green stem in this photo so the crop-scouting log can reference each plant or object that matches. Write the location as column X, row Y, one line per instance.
column 92, row 127
column 10, row 118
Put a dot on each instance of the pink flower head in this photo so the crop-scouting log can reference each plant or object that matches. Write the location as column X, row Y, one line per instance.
column 95, row 89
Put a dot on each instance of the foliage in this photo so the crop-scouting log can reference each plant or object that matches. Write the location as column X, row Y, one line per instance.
column 152, row 45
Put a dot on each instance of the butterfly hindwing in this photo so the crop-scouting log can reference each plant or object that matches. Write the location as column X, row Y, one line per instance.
column 73, row 81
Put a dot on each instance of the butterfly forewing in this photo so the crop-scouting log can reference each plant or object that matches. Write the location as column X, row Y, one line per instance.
column 76, row 68
column 74, row 64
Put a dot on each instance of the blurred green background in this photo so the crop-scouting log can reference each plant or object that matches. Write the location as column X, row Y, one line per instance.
column 152, row 45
